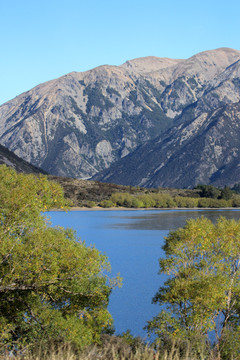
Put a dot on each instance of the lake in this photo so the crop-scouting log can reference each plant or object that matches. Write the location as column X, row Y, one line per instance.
column 132, row 240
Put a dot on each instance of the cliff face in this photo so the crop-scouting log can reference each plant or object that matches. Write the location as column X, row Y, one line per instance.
column 80, row 124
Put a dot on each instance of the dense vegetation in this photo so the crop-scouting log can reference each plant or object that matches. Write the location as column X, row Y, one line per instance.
column 202, row 196
column 161, row 200
column 52, row 286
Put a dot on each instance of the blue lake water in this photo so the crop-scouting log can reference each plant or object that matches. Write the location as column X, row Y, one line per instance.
column 132, row 240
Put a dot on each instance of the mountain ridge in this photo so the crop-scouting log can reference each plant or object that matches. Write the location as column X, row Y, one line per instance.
column 81, row 123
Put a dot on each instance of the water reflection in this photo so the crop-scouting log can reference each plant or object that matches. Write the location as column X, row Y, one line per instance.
column 169, row 219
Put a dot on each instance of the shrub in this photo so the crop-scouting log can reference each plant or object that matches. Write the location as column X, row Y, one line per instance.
column 137, row 203
column 186, row 202
column 107, row 204
column 236, row 200
column 122, row 199
column 147, row 200
column 91, row 204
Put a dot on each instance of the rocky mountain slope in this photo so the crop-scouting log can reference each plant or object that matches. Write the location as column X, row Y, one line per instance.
column 203, row 148
column 80, row 124
column 10, row 159
column 205, row 151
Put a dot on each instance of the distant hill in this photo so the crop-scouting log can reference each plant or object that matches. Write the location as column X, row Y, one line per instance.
column 10, row 159
column 151, row 122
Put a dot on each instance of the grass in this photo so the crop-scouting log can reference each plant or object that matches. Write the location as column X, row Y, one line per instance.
column 111, row 351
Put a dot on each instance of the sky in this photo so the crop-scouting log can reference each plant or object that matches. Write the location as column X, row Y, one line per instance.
column 43, row 40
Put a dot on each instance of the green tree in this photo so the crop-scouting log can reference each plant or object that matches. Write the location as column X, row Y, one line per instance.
column 186, row 202
column 137, row 203
column 164, row 201
column 236, row 200
column 236, row 188
column 226, row 193
column 52, row 286
column 106, row 204
column 147, row 200
column 201, row 294
column 208, row 191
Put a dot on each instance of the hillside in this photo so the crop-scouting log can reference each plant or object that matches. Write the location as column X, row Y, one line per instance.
column 10, row 159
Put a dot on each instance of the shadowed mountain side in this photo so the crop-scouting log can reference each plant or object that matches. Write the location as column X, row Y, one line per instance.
column 205, row 151
column 10, row 159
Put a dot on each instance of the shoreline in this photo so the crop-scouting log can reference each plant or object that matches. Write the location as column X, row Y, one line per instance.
column 97, row 208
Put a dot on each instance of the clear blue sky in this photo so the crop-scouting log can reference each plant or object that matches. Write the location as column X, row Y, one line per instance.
column 42, row 40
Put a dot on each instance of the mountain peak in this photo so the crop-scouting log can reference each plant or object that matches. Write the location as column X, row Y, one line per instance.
column 149, row 64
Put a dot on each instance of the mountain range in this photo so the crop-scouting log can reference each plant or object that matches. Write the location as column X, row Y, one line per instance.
column 150, row 122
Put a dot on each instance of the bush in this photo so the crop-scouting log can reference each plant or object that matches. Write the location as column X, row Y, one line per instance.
column 137, row 203
column 91, row 204
column 150, row 200
column 123, row 199
column 161, row 200
column 147, row 200
column 186, row 202
column 107, row 204
column 170, row 201
column 236, row 200
column 214, row 203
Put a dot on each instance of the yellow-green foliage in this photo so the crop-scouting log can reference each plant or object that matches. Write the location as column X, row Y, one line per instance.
column 147, row 200
column 236, row 200
column 51, row 284
column 137, row 203
column 202, row 291
column 186, row 202
column 151, row 200
column 164, row 201
column 214, row 203
column 91, row 204
column 161, row 200
column 143, row 200
column 107, row 204
column 122, row 199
